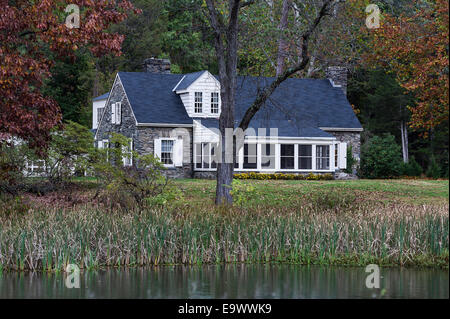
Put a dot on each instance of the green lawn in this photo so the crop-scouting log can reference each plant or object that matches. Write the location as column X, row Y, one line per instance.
column 287, row 193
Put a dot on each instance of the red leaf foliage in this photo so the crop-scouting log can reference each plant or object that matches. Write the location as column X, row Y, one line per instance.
column 30, row 33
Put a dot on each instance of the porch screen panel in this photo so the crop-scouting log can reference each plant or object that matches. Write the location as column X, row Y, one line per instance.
column 267, row 156
column 305, row 156
column 287, row 156
column 323, row 157
column 250, row 156
column 198, row 155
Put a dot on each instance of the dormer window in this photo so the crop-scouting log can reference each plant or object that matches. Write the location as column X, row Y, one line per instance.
column 198, row 106
column 214, row 102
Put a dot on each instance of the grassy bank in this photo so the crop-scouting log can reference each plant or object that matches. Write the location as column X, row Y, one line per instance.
column 345, row 223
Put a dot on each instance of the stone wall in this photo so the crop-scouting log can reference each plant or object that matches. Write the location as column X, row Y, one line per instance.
column 145, row 144
column 143, row 137
column 127, row 126
column 353, row 139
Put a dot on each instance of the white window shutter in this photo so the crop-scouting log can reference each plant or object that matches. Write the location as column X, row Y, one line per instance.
column 157, row 150
column 124, row 155
column 100, row 144
column 131, row 150
column 113, row 113
column 178, row 153
column 118, row 112
column 342, row 155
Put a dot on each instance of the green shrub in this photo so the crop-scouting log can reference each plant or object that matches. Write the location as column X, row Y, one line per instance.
column 126, row 187
column 12, row 167
column 433, row 170
column 70, row 150
column 412, row 168
column 350, row 160
column 242, row 192
column 381, row 158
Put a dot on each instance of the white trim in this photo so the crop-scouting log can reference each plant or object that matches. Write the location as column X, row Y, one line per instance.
column 289, row 139
column 174, row 89
column 164, row 125
column 342, row 129
column 334, row 85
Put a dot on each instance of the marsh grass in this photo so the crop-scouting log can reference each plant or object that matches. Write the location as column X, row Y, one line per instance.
column 324, row 229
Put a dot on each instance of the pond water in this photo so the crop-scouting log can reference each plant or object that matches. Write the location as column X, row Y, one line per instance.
column 230, row 281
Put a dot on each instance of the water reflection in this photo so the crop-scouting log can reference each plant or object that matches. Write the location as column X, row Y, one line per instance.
column 230, row 281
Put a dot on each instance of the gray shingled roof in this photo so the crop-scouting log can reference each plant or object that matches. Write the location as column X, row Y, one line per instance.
column 101, row 97
column 152, row 99
column 297, row 108
column 188, row 79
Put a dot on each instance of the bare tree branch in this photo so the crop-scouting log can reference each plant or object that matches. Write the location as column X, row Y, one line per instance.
column 265, row 94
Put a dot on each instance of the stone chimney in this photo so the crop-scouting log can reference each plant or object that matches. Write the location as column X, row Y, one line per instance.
column 338, row 77
column 153, row 65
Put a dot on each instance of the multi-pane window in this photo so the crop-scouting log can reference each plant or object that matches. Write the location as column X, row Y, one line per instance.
column 305, row 156
column 205, row 155
column 198, row 103
column 198, row 155
column 167, row 152
column 287, row 156
column 99, row 114
column 322, row 157
column 127, row 153
column 267, row 156
column 214, row 155
column 250, row 156
column 214, row 102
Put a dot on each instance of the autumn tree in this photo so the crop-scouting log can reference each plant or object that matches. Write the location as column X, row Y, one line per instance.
column 32, row 35
column 415, row 47
column 224, row 19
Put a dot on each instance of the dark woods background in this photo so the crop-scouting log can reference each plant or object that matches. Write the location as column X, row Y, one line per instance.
column 178, row 30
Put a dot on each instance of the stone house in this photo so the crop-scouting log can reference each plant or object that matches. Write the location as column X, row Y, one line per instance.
column 305, row 126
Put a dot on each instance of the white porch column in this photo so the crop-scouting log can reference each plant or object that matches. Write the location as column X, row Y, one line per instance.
column 313, row 157
column 277, row 156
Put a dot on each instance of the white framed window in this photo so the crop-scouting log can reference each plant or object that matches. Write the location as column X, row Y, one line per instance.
column 167, row 152
column 99, row 114
column 322, row 157
column 104, row 144
column 198, row 102
column 205, row 155
column 127, row 153
column 214, row 103
column 287, row 156
column 304, row 156
column 267, row 156
column 116, row 113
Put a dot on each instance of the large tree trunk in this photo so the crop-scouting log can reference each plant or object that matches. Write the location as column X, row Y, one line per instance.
column 404, row 133
column 282, row 45
column 225, row 42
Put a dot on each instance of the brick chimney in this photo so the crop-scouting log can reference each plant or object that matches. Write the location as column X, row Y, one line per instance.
column 153, row 65
column 338, row 77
